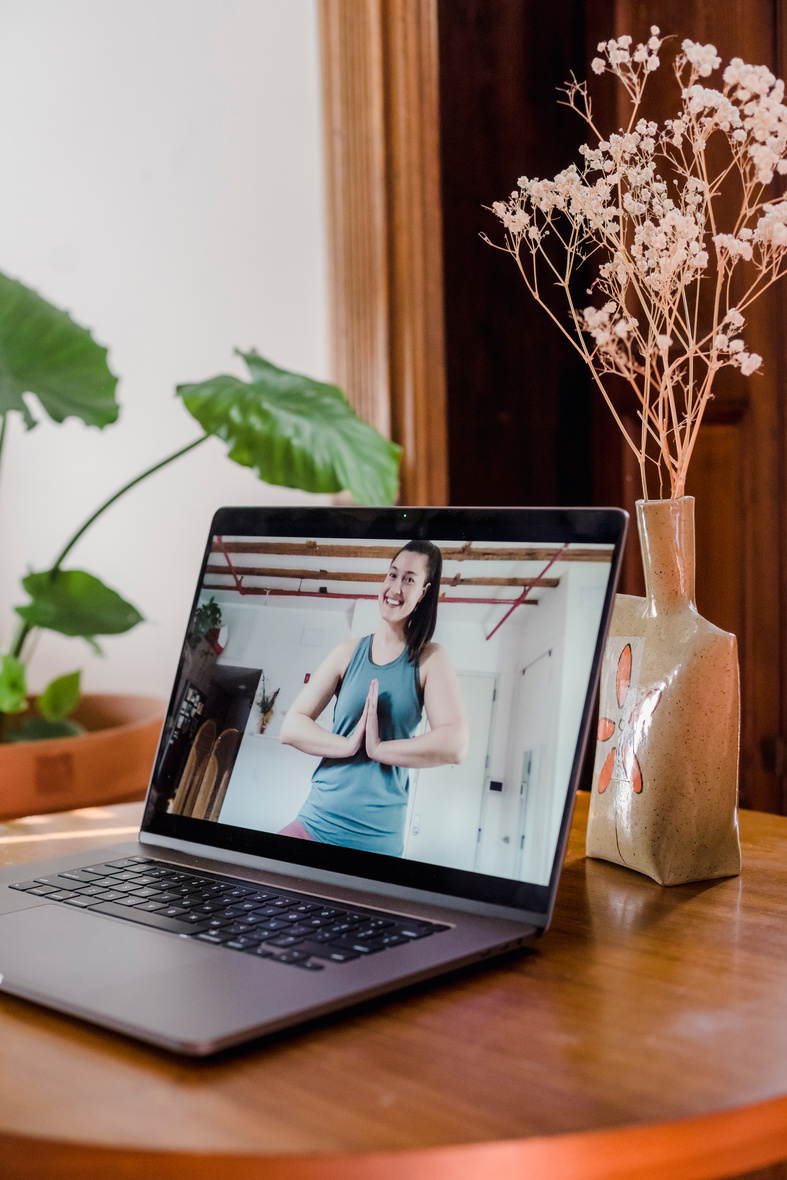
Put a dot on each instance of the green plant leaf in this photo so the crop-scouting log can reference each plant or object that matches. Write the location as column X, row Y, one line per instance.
column 38, row 729
column 43, row 351
column 75, row 603
column 13, row 686
column 60, row 697
column 296, row 432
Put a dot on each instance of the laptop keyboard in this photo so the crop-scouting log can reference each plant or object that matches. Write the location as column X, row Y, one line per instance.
column 291, row 928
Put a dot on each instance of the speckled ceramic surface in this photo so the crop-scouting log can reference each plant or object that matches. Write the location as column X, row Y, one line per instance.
column 665, row 787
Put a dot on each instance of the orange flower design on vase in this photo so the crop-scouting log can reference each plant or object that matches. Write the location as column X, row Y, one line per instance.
column 621, row 763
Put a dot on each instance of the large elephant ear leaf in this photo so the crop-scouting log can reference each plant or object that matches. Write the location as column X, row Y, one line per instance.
column 44, row 352
column 76, row 603
column 295, row 431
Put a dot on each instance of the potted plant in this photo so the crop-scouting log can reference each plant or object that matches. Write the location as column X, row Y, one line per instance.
column 265, row 702
column 289, row 429
column 206, row 625
column 672, row 231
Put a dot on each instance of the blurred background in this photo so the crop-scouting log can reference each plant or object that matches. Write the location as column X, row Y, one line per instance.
column 161, row 181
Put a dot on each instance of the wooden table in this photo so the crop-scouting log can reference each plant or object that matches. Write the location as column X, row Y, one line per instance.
column 641, row 1004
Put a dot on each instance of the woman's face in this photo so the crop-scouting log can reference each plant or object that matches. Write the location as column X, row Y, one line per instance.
column 404, row 586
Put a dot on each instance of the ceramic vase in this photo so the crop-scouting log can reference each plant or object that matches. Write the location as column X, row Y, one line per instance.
column 665, row 785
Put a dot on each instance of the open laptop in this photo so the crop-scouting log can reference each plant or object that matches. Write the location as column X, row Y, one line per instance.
column 277, row 878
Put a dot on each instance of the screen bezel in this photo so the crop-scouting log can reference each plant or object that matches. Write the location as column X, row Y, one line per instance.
column 519, row 525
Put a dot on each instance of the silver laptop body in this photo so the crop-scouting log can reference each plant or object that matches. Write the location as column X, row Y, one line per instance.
column 471, row 850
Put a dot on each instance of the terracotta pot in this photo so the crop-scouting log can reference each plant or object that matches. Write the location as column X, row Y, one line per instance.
column 665, row 787
column 111, row 763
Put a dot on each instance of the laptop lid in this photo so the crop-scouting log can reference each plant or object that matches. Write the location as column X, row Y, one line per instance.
column 520, row 621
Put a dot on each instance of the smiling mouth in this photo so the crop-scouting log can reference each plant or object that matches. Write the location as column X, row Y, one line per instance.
column 393, row 602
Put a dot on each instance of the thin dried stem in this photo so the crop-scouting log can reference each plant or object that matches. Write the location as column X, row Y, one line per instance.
column 657, row 238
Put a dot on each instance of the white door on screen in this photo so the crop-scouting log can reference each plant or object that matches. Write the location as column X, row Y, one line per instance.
column 445, row 809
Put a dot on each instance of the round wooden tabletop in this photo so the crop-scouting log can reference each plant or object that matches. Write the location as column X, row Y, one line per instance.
column 640, row 1004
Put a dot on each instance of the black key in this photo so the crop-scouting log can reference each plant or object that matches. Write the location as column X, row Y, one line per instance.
column 326, row 951
column 39, row 890
column 82, row 902
column 414, row 930
column 243, row 943
column 99, row 871
column 241, row 928
column 212, row 936
column 63, row 895
column 60, row 882
column 340, row 928
column 128, row 861
column 105, row 894
column 264, row 932
column 283, row 940
column 358, row 948
column 336, row 955
column 268, row 911
column 246, row 920
column 174, row 925
column 389, row 939
column 25, row 885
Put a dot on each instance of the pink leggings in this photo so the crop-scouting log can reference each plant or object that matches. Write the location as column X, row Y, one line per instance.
column 296, row 829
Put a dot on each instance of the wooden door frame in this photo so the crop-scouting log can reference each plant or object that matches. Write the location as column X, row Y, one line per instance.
column 382, row 175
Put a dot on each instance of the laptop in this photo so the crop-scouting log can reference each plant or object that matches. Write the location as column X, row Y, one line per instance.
column 365, row 776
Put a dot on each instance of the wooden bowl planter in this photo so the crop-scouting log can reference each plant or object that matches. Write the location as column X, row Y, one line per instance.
column 111, row 763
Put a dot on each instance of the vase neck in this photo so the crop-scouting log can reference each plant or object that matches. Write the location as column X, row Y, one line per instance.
column 666, row 535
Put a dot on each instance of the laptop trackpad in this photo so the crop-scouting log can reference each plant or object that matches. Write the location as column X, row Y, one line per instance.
column 171, row 990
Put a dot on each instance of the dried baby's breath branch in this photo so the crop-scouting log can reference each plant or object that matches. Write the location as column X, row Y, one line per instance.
column 644, row 206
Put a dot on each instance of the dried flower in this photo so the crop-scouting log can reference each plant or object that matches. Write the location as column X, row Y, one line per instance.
column 643, row 203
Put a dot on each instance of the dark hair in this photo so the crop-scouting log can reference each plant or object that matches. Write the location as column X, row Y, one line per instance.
column 420, row 624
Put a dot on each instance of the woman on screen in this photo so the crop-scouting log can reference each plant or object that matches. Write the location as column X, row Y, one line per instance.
column 382, row 685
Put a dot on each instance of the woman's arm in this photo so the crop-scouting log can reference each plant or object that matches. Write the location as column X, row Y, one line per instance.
column 300, row 728
column 446, row 740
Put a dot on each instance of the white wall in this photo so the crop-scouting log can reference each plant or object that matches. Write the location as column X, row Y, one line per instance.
column 161, row 180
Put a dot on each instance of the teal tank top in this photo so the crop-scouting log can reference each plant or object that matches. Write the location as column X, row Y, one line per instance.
column 357, row 802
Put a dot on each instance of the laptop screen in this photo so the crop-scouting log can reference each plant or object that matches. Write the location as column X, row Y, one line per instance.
column 398, row 695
